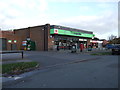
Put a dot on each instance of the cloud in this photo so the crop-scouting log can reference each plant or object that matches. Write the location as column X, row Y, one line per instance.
column 84, row 8
column 106, row 35
column 67, row 1
column 18, row 13
column 25, row 13
column 104, row 24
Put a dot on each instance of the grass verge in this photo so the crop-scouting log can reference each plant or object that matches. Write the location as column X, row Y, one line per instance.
column 18, row 68
column 103, row 53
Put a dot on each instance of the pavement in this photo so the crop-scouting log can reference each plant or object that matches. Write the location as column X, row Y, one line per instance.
column 67, row 70
column 31, row 55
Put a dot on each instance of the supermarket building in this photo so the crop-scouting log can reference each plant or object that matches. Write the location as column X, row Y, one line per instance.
column 47, row 37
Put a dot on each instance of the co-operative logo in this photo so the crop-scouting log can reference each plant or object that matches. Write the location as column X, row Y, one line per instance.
column 55, row 31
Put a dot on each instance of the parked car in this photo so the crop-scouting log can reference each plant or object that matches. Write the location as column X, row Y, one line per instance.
column 116, row 50
column 109, row 46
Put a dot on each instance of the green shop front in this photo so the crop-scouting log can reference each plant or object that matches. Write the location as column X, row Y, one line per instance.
column 65, row 37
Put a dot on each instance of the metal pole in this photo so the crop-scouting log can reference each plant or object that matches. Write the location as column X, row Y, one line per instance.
column 22, row 54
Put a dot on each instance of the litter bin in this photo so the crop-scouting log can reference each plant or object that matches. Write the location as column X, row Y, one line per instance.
column 73, row 49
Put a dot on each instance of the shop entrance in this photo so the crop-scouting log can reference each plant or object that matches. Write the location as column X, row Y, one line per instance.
column 65, row 43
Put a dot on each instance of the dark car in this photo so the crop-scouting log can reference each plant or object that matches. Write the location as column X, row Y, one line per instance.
column 109, row 46
column 116, row 50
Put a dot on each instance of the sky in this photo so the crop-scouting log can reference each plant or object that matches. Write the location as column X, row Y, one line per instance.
column 98, row 16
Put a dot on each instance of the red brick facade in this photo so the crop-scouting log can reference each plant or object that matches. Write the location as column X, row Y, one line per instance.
column 9, row 35
column 39, row 34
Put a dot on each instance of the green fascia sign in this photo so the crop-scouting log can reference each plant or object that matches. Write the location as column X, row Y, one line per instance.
column 71, row 33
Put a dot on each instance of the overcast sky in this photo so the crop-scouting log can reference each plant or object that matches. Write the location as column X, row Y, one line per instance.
column 99, row 16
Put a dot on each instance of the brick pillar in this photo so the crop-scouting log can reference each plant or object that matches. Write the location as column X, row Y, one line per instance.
column 88, row 42
column 50, row 39
column 47, row 34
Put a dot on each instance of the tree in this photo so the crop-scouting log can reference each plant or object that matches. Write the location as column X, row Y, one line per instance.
column 112, row 37
column 114, row 40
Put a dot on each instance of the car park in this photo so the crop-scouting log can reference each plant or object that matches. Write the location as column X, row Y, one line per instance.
column 109, row 46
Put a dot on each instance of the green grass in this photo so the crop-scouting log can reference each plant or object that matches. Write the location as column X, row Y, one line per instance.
column 17, row 67
column 103, row 53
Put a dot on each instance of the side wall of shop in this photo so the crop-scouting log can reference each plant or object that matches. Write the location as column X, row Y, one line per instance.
column 37, row 34
column 23, row 34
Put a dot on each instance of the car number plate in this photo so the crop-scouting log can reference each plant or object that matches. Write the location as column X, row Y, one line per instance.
column 116, row 49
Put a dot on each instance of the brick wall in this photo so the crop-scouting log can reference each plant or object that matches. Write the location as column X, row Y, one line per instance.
column 9, row 35
column 50, row 38
column 23, row 34
column 37, row 35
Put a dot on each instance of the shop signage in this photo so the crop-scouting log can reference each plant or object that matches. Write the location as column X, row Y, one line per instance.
column 55, row 31
column 70, row 33
column 77, row 33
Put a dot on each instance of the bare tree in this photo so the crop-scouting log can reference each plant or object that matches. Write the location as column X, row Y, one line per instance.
column 114, row 40
column 112, row 37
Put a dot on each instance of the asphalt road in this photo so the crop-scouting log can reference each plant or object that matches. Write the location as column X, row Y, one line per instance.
column 93, row 72
column 52, row 58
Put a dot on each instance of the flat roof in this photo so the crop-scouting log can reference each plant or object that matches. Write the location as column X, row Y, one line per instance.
column 70, row 29
column 60, row 27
